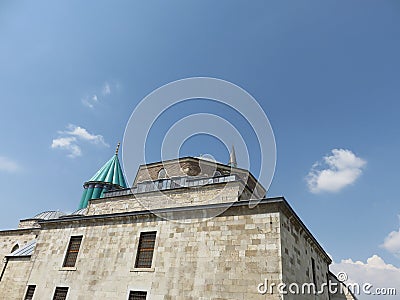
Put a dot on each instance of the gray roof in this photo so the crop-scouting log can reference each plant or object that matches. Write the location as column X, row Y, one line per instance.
column 81, row 211
column 49, row 215
column 27, row 250
column 78, row 213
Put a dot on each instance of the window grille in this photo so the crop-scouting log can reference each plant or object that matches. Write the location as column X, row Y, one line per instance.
column 136, row 295
column 60, row 293
column 29, row 292
column 72, row 252
column 145, row 251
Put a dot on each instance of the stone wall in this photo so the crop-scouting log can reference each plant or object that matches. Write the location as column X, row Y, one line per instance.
column 190, row 166
column 216, row 193
column 23, row 224
column 217, row 252
column 225, row 257
column 10, row 238
column 179, row 168
column 298, row 251
column 13, row 283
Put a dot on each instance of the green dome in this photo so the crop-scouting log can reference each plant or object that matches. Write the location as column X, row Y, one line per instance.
column 111, row 172
column 110, row 176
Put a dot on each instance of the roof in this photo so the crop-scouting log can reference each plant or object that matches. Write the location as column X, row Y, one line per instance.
column 27, row 250
column 111, row 172
column 79, row 212
column 48, row 215
column 110, row 176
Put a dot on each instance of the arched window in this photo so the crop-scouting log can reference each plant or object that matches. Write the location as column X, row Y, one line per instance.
column 162, row 174
column 217, row 173
column 15, row 248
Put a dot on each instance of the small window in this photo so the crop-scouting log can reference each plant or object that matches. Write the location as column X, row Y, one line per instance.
column 72, row 252
column 162, row 174
column 145, row 250
column 137, row 295
column 217, row 173
column 60, row 293
column 313, row 271
column 15, row 248
column 29, row 292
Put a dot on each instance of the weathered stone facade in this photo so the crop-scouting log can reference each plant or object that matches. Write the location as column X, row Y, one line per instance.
column 222, row 258
column 303, row 260
column 12, row 239
column 207, row 194
column 190, row 166
column 16, row 275
column 210, row 244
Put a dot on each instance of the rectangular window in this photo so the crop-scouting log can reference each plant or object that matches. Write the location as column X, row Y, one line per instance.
column 29, row 292
column 136, row 295
column 313, row 271
column 60, row 293
column 72, row 252
column 145, row 250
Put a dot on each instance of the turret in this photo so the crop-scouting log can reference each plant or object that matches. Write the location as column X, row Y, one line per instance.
column 232, row 158
column 109, row 177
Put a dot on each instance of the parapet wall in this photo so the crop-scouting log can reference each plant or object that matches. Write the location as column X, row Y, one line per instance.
column 192, row 196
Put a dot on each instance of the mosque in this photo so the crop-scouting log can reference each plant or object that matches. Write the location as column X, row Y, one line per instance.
column 187, row 228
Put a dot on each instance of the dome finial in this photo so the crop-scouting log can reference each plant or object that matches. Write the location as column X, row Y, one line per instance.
column 116, row 150
column 232, row 158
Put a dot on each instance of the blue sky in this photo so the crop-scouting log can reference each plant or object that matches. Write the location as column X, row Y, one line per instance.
column 326, row 74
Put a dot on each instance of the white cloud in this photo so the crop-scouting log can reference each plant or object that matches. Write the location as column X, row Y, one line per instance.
column 90, row 101
column 392, row 243
column 70, row 139
column 335, row 172
column 106, row 90
column 375, row 271
column 69, row 144
column 83, row 134
column 8, row 165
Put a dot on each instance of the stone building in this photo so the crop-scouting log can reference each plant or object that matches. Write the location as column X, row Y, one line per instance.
column 188, row 228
